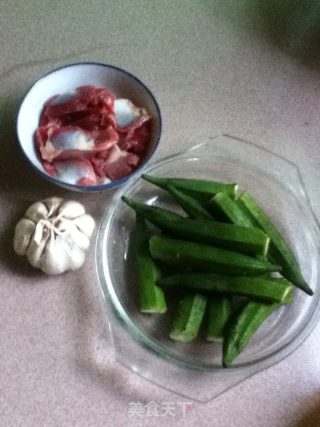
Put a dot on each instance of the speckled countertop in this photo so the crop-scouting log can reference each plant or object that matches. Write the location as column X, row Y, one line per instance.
column 215, row 67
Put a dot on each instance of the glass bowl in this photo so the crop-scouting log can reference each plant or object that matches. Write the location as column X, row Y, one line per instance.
column 141, row 341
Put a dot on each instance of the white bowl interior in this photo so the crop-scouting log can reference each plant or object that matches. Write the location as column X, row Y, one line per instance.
column 67, row 79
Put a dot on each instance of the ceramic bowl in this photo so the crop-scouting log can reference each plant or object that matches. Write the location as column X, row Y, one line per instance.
column 67, row 78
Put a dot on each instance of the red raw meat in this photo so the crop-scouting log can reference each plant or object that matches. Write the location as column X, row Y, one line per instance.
column 117, row 164
column 73, row 142
column 75, row 171
column 136, row 140
column 79, row 131
column 56, row 109
column 95, row 96
column 135, row 124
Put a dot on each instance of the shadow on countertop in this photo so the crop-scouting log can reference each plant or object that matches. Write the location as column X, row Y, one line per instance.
column 293, row 25
column 17, row 178
column 310, row 418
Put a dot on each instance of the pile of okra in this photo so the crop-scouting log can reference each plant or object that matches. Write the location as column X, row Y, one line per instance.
column 224, row 248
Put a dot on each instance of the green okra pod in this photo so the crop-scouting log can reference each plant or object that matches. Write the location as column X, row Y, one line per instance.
column 188, row 317
column 206, row 258
column 223, row 206
column 218, row 312
column 151, row 213
column 189, row 204
column 244, row 327
column 152, row 298
column 280, row 250
column 258, row 287
column 229, row 236
column 203, row 189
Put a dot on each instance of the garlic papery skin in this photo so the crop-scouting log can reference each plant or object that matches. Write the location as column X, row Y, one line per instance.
column 55, row 258
column 77, row 258
column 35, row 251
column 71, row 209
column 53, row 204
column 22, row 236
column 86, row 224
column 37, row 211
column 54, row 235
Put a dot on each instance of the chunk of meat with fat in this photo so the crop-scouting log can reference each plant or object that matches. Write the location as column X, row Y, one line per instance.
column 87, row 136
column 74, row 171
column 117, row 164
column 70, row 141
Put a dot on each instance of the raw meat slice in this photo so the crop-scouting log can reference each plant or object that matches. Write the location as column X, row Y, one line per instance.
column 136, row 140
column 117, row 164
column 71, row 138
column 75, row 171
column 71, row 141
column 127, row 114
column 89, row 137
column 93, row 119
column 60, row 106
column 95, row 96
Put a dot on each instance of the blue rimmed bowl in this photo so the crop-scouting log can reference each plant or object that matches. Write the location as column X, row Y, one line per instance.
column 66, row 79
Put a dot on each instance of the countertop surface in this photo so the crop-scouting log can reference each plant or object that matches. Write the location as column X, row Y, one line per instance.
column 215, row 67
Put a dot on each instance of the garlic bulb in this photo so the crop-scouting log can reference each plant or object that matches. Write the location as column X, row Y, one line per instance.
column 54, row 235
